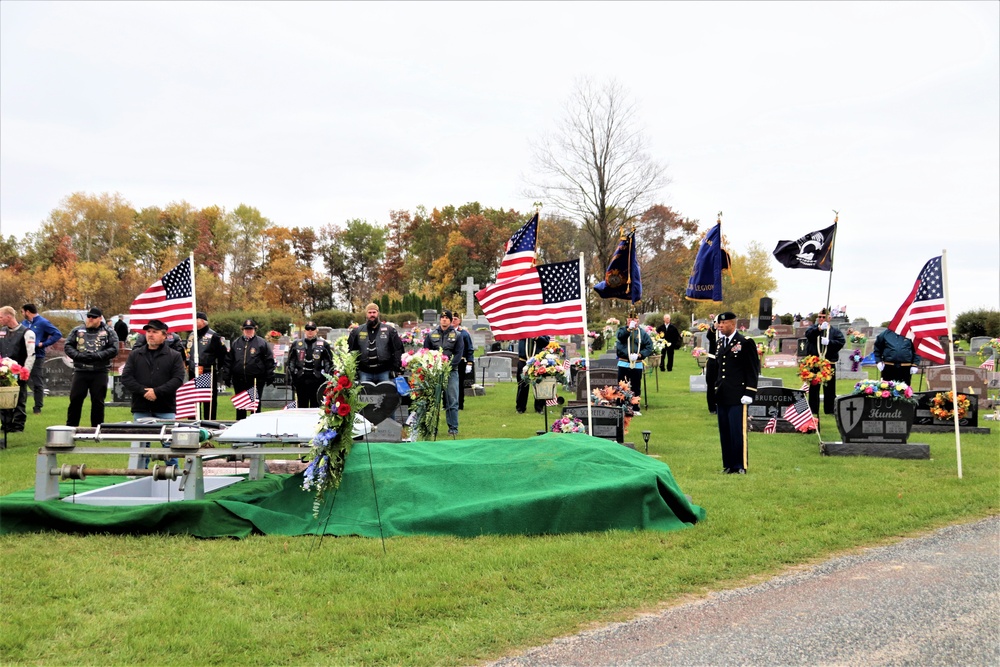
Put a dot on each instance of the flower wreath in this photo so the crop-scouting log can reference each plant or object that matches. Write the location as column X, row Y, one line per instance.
column 568, row 424
column 815, row 370
column 943, row 405
column 335, row 434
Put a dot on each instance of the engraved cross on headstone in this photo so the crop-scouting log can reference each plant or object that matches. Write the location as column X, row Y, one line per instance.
column 852, row 409
column 469, row 288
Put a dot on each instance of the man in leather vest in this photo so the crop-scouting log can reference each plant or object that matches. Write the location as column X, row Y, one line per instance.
column 211, row 352
column 17, row 342
column 450, row 342
column 379, row 348
column 309, row 360
column 249, row 363
column 92, row 346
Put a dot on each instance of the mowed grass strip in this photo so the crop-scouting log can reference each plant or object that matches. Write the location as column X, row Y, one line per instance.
column 271, row 600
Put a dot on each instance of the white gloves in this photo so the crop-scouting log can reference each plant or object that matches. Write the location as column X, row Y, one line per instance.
column 632, row 325
column 825, row 340
column 633, row 357
column 914, row 370
column 824, row 326
column 880, row 366
column 668, row 344
column 746, row 400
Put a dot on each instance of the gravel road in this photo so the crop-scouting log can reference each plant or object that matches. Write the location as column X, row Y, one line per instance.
column 932, row 600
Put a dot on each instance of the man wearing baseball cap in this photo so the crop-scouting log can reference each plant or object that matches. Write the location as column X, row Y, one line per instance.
column 308, row 360
column 249, row 363
column 211, row 353
column 91, row 346
column 153, row 373
column 735, row 388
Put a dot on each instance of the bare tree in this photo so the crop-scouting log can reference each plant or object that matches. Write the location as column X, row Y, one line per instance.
column 596, row 168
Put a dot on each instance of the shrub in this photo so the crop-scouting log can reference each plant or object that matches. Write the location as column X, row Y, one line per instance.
column 977, row 323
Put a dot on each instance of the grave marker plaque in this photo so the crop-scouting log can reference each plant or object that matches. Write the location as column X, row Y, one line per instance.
column 863, row 419
column 772, row 402
column 966, row 377
column 494, row 368
column 608, row 422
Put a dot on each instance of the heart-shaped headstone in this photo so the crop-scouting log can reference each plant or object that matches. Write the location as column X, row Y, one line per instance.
column 379, row 400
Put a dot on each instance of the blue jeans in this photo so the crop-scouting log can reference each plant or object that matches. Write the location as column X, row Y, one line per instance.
column 155, row 415
column 451, row 400
column 382, row 376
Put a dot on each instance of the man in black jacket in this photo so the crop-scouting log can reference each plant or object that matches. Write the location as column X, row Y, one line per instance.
column 379, row 348
column 249, row 363
column 309, row 360
column 91, row 346
column 450, row 342
column 674, row 342
column 153, row 373
column 824, row 341
column 211, row 353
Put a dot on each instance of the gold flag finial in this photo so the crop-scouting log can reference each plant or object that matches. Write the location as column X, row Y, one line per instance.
column 836, row 216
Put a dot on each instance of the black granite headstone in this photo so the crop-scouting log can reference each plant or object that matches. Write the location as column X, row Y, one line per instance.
column 863, row 419
column 772, row 402
column 608, row 422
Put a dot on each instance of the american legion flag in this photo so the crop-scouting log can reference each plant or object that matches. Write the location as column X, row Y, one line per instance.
column 246, row 399
column 799, row 414
column 922, row 318
column 191, row 393
column 170, row 299
column 543, row 300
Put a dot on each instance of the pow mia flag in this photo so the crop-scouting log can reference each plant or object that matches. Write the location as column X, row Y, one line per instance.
column 812, row 251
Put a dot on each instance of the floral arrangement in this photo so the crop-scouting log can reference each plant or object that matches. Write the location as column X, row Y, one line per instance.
column 568, row 424
column 815, row 370
column 943, row 405
column 761, row 350
column 11, row 372
column 578, row 365
column 555, row 348
column 698, row 352
column 897, row 391
column 545, row 364
column 702, row 326
column 618, row 395
column 855, row 337
column 334, row 435
column 429, row 370
column 659, row 340
column 856, row 357
column 991, row 348
column 770, row 333
column 610, row 328
column 340, row 353
column 272, row 336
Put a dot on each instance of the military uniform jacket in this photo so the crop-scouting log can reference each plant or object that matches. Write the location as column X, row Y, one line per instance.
column 388, row 348
column 92, row 349
column 248, row 359
column 310, row 357
column 450, row 342
column 211, row 350
column 739, row 368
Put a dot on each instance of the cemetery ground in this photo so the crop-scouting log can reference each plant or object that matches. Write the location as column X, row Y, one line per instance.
column 270, row 600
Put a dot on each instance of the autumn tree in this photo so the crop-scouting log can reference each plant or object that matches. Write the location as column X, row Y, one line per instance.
column 666, row 244
column 750, row 281
column 352, row 255
column 596, row 168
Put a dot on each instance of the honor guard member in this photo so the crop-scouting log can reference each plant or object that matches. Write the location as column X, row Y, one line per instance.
column 526, row 349
column 379, row 348
column 467, row 361
column 211, row 354
column 632, row 345
column 450, row 342
column 711, row 365
column 826, row 341
column 249, row 363
column 92, row 346
column 739, row 367
column 308, row 361
column 17, row 342
column 895, row 357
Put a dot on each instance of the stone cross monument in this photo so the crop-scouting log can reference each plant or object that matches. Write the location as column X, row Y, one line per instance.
column 470, row 289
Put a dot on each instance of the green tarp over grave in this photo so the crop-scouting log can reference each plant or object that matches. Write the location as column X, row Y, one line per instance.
column 556, row 483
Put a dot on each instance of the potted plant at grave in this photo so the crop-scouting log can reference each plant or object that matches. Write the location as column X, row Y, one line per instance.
column 568, row 424
column 659, row 346
column 10, row 373
column 700, row 355
column 619, row 395
column 545, row 371
column 890, row 403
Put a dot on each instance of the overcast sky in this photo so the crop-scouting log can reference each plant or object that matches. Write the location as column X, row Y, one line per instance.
column 315, row 113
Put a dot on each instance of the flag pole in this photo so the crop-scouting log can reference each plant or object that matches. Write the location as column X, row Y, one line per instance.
column 951, row 361
column 829, row 281
column 586, row 347
column 194, row 330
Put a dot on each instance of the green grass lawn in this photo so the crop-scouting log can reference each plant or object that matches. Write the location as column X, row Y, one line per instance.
column 270, row 600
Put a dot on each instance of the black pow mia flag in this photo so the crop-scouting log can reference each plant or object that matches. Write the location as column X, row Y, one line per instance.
column 812, row 251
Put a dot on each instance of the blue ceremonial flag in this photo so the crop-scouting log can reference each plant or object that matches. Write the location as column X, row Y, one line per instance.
column 705, row 283
column 622, row 280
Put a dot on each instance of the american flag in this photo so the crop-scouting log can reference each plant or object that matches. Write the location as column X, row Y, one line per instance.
column 520, row 251
column 552, row 402
column 799, row 414
column 291, row 406
column 246, row 400
column 772, row 425
column 544, row 300
column 191, row 393
column 989, row 364
column 921, row 318
column 566, row 365
column 170, row 299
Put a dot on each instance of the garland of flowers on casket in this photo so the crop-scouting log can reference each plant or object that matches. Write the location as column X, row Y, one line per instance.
column 546, row 364
column 885, row 389
column 334, row 435
column 429, row 371
column 943, row 405
column 815, row 370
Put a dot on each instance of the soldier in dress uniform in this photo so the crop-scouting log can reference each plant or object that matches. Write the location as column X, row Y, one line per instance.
column 735, row 388
column 309, row 360
column 211, row 354
column 249, row 363
column 711, row 366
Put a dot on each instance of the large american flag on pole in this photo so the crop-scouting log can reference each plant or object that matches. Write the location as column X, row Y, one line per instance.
column 922, row 318
column 170, row 299
column 191, row 393
column 543, row 300
column 519, row 251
